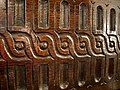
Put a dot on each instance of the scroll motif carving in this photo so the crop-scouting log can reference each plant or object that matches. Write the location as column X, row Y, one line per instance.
column 83, row 55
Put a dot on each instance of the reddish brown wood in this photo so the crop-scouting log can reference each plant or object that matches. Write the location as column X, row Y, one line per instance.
column 59, row 45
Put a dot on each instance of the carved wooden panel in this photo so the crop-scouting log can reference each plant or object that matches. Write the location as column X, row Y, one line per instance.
column 59, row 44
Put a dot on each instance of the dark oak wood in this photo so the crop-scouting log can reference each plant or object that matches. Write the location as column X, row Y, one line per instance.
column 59, row 45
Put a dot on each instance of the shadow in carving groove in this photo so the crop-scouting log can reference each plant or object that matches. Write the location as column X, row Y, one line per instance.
column 44, row 77
column 20, row 77
column 98, row 70
column 64, row 76
column 82, row 73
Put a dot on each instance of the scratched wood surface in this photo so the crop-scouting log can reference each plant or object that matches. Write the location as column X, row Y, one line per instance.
column 59, row 45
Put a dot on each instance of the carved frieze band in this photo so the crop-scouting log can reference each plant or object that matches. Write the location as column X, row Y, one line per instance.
column 43, row 40
column 20, row 44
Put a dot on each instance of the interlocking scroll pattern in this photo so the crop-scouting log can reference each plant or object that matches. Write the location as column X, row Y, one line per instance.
column 62, row 58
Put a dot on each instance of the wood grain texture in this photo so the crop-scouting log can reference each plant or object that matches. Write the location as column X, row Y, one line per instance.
column 59, row 45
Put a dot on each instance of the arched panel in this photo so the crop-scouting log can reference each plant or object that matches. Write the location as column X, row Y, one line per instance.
column 64, row 76
column 111, row 68
column 112, row 19
column 83, row 16
column 19, row 13
column 98, row 70
column 119, row 23
column 99, row 22
column 2, row 13
column 64, row 15
column 81, row 73
column 43, row 13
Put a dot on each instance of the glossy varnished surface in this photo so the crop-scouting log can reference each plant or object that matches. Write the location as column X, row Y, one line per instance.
column 59, row 45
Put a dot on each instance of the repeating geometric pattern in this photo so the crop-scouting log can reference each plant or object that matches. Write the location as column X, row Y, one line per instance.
column 33, row 58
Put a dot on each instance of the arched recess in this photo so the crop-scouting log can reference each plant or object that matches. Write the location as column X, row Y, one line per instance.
column 112, row 19
column 19, row 12
column 118, row 24
column 99, row 22
column 3, row 13
column 43, row 13
column 83, row 16
column 64, row 14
